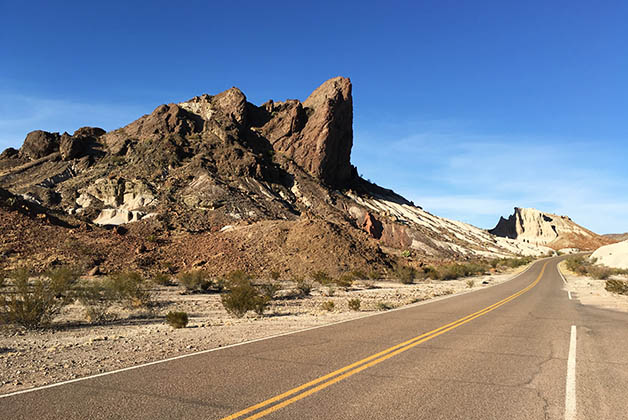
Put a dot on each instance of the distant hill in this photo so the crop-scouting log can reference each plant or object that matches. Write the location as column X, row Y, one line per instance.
column 556, row 232
column 617, row 237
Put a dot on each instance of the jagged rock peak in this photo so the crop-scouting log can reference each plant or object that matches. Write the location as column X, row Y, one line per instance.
column 537, row 227
column 318, row 133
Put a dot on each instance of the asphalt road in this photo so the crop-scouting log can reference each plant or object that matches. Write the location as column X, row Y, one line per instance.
column 500, row 353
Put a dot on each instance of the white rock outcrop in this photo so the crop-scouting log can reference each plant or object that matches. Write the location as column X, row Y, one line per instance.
column 613, row 255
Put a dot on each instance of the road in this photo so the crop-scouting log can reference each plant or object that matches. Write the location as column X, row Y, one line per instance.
column 519, row 350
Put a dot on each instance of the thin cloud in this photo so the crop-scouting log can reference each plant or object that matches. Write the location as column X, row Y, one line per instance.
column 477, row 178
column 20, row 114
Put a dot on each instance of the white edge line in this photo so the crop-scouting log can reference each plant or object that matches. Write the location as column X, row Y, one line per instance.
column 570, row 386
column 183, row 356
column 569, row 294
column 561, row 274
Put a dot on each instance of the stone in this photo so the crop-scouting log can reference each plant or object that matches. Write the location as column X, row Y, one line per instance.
column 39, row 144
column 372, row 226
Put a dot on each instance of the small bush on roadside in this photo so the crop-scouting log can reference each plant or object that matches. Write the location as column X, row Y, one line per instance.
column 354, row 304
column 328, row 305
column 430, row 273
column 36, row 299
column 177, row 319
column 195, row 281
column 345, row 280
column 375, row 275
column 321, row 277
column 242, row 296
column 617, row 286
column 383, row 306
column 161, row 279
column 304, row 287
column 600, row 272
column 359, row 274
column 470, row 284
column 269, row 289
column 96, row 298
column 405, row 274
column 129, row 288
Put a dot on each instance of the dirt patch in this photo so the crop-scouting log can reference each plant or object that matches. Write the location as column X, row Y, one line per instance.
column 590, row 291
column 73, row 349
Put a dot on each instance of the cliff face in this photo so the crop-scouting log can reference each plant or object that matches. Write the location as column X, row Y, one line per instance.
column 557, row 232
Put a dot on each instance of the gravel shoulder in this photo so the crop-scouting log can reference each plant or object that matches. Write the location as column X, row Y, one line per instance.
column 72, row 349
column 590, row 291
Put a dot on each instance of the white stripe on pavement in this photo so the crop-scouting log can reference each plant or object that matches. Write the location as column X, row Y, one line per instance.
column 570, row 389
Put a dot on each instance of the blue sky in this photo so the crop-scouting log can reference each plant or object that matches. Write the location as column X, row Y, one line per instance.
column 469, row 108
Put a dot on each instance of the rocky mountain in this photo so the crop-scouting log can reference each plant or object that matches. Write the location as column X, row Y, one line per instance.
column 556, row 232
column 221, row 183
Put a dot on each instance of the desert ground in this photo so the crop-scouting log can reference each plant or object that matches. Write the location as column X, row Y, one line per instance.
column 590, row 291
column 72, row 348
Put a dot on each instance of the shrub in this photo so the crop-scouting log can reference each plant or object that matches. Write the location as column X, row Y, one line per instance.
column 470, row 283
column 195, row 281
column 129, row 288
column 375, row 275
column 269, row 289
column 354, row 304
column 96, row 298
column 328, row 305
column 35, row 301
column 304, row 287
column 242, row 296
column 359, row 274
column 577, row 265
column 600, row 272
column 431, row 273
column 274, row 275
column 161, row 279
column 321, row 277
column 406, row 253
column 177, row 319
column 406, row 274
column 383, row 306
column 617, row 286
column 345, row 280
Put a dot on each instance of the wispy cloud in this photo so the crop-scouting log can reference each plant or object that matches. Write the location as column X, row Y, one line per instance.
column 472, row 177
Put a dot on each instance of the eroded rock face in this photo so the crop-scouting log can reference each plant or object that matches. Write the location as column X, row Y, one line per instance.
column 317, row 134
column 536, row 227
column 39, row 143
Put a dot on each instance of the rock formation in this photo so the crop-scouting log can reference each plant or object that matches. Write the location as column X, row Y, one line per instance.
column 613, row 255
column 536, row 227
column 246, row 186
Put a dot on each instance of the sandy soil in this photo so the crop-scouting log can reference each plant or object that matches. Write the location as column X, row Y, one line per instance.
column 73, row 349
column 590, row 291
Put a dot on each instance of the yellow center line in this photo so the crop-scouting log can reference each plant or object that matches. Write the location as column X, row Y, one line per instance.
column 370, row 361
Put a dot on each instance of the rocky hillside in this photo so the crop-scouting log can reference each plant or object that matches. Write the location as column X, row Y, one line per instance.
column 617, row 237
column 220, row 183
column 556, row 232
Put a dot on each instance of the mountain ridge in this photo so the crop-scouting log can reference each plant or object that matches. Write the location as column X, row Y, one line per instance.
column 217, row 168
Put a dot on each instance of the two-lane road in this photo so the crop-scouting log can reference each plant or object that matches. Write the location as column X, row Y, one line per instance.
column 519, row 350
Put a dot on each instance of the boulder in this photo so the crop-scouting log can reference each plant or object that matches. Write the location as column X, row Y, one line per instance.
column 9, row 153
column 71, row 147
column 93, row 132
column 39, row 143
column 372, row 226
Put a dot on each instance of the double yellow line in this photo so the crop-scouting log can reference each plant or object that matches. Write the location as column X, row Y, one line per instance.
column 325, row 381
